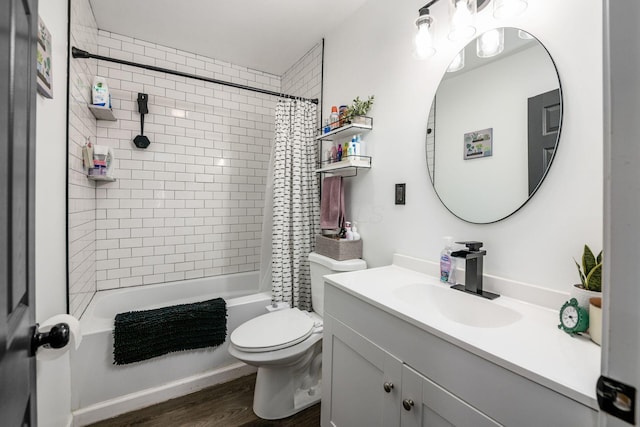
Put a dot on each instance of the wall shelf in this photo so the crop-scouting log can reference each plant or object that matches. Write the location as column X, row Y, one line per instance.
column 346, row 131
column 346, row 167
column 349, row 165
column 102, row 113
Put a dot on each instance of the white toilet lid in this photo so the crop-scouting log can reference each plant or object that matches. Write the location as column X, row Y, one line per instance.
column 273, row 331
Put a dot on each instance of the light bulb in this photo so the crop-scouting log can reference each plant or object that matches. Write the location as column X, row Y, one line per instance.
column 524, row 35
column 457, row 63
column 508, row 8
column 462, row 20
column 423, row 42
column 490, row 43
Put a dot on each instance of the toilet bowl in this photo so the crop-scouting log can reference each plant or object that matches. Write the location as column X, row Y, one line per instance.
column 286, row 347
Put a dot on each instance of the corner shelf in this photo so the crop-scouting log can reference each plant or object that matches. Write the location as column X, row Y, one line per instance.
column 102, row 113
column 101, row 178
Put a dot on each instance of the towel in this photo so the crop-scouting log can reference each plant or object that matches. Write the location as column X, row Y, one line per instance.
column 141, row 335
column 332, row 203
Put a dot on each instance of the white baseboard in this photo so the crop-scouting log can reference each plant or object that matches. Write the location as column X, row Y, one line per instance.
column 141, row 399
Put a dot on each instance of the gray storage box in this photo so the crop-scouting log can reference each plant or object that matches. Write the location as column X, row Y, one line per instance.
column 339, row 250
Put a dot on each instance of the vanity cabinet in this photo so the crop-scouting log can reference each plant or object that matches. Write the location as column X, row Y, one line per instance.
column 377, row 363
column 371, row 387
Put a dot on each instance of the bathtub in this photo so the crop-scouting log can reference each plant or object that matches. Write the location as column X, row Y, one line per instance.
column 100, row 389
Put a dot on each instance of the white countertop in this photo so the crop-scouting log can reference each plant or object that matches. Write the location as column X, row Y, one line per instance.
column 532, row 346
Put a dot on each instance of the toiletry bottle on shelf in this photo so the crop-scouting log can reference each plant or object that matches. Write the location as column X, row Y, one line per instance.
column 327, row 157
column 334, row 154
column 354, row 230
column 351, row 151
column 345, row 149
column 339, row 152
column 447, row 266
column 327, row 127
column 361, row 145
column 342, row 114
column 349, row 234
column 334, row 118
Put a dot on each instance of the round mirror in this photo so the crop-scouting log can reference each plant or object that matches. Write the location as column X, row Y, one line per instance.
column 494, row 125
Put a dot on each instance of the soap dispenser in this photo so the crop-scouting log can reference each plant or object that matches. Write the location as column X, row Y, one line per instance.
column 447, row 263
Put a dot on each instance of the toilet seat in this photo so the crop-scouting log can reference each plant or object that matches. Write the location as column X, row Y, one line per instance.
column 274, row 331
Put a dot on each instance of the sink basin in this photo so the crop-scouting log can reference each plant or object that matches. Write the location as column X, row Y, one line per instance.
column 457, row 306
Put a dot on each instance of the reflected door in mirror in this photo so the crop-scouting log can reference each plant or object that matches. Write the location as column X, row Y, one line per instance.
column 544, row 125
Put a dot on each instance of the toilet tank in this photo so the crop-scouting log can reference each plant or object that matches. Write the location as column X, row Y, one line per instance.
column 320, row 266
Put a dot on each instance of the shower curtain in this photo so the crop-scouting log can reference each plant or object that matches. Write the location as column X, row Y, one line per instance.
column 296, row 207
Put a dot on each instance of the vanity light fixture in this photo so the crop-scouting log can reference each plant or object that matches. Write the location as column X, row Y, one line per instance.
column 508, row 8
column 462, row 14
column 524, row 35
column 457, row 63
column 490, row 43
column 423, row 42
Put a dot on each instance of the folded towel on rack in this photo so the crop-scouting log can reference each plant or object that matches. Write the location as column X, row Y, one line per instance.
column 141, row 335
column 332, row 203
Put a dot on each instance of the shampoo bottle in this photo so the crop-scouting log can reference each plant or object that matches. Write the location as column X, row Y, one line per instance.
column 447, row 264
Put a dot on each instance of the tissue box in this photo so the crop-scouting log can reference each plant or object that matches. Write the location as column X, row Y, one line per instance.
column 339, row 250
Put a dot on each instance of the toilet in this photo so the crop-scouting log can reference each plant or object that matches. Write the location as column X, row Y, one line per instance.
column 286, row 347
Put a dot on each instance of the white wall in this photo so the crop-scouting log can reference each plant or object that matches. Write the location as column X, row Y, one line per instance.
column 371, row 53
column 54, row 390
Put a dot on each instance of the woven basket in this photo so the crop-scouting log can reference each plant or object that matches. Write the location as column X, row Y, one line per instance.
column 339, row 250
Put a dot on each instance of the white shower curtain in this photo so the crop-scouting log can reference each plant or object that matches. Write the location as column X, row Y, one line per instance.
column 296, row 207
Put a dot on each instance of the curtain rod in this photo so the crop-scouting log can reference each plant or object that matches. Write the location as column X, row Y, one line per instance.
column 79, row 53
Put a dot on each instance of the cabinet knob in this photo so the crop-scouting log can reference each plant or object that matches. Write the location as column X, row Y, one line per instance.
column 407, row 404
column 388, row 387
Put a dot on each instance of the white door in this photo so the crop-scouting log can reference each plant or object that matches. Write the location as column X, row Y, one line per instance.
column 361, row 383
column 621, row 323
column 426, row 404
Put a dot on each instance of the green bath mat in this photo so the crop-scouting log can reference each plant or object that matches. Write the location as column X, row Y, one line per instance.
column 141, row 335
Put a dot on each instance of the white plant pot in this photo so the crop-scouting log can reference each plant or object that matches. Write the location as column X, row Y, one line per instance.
column 359, row 120
column 583, row 295
column 595, row 320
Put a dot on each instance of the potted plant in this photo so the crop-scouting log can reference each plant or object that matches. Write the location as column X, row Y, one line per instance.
column 588, row 291
column 359, row 109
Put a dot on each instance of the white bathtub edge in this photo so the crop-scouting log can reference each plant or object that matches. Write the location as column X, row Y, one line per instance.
column 141, row 399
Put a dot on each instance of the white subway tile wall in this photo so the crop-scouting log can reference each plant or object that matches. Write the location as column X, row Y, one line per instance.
column 190, row 205
column 81, row 191
column 304, row 78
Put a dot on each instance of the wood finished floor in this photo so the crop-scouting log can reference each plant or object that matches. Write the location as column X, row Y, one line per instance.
column 223, row 405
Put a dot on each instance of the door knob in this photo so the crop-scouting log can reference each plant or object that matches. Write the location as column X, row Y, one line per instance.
column 57, row 337
column 388, row 386
column 407, row 404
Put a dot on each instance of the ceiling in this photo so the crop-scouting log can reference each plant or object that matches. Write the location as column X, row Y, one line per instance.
column 268, row 36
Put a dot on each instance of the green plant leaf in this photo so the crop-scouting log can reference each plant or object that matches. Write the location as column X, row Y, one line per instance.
column 582, row 278
column 599, row 258
column 594, row 279
column 588, row 260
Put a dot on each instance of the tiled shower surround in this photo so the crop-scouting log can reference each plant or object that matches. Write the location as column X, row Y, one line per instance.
column 81, row 191
column 190, row 205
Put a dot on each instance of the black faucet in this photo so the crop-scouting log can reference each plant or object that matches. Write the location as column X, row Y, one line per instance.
column 473, row 257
